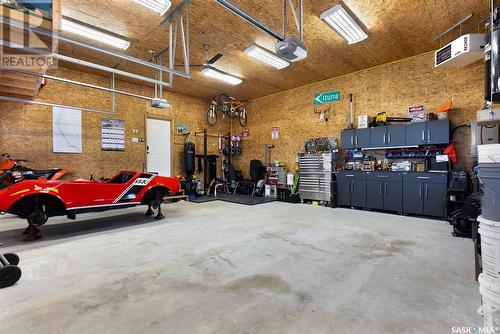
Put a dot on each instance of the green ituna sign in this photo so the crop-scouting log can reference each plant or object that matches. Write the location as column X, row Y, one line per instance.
column 328, row 97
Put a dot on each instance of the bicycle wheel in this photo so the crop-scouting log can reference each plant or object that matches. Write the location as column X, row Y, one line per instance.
column 243, row 117
column 223, row 102
column 211, row 116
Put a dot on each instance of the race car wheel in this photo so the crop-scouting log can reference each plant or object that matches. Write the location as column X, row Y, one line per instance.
column 155, row 204
column 37, row 218
column 9, row 275
column 12, row 258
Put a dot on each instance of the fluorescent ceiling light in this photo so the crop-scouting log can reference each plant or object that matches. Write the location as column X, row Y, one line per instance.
column 338, row 18
column 160, row 6
column 267, row 57
column 97, row 35
column 214, row 73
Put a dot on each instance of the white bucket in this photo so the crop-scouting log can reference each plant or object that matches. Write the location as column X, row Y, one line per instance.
column 489, row 153
column 490, row 249
column 490, row 306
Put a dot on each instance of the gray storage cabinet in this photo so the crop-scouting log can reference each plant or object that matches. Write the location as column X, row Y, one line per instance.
column 428, row 133
column 438, row 132
column 396, row 135
column 362, row 138
column 378, row 136
column 413, row 134
column 425, row 194
column 411, row 193
column 347, row 139
column 384, row 191
column 388, row 136
column 351, row 188
column 355, row 138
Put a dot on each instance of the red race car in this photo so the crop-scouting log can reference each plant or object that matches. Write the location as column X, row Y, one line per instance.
column 37, row 200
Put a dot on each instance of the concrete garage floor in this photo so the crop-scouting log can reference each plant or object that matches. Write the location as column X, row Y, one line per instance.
column 226, row 268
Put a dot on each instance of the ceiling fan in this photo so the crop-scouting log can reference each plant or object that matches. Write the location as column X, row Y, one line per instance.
column 211, row 61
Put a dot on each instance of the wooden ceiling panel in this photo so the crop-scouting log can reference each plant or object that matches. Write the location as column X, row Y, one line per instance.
column 396, row 29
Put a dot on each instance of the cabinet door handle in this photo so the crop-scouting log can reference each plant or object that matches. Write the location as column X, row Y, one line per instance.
column 352, row 140
column 380, row 188
column 384, row 137
column 423, row 135
column 420, row 191
column 352, row 186
column 426, row 191
column 423, row 177
column 429, row 135
column 390, row 138
column 357, row 140
column 385, row 189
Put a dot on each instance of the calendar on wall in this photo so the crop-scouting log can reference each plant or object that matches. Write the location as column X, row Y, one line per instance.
column 113, row 135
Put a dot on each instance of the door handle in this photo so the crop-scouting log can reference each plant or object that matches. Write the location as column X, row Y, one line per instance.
column 352, row 186
column 390, row 138
column 423, row 135
column 429, row 135
column 357, row 140
column 420, row 191
column 384, row 137
column 426, row 191
column 352, row 140
column 147, row 149
column 385, row 192
column 380, row 188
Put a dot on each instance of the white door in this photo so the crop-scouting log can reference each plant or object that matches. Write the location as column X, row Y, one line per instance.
column 158, row 146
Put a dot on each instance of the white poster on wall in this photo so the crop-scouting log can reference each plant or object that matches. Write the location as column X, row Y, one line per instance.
column 66, row 130
column 113, row 135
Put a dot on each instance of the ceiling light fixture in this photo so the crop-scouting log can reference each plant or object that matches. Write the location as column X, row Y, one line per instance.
column 160, row 6
column 92, row 33
column 214, row 73
column 267, row 57
column 340, row 20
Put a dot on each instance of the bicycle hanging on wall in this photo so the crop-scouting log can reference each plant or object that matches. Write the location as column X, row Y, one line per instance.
column 228, row 106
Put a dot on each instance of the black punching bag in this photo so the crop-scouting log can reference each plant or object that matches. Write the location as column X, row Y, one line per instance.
column 189, row 158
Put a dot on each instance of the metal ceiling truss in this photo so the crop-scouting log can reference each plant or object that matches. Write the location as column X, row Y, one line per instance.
column 177, row 20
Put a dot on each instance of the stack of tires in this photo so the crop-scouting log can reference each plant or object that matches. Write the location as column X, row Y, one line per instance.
column 489, row 229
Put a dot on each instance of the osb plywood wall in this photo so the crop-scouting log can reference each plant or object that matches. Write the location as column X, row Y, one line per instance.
column 391, row 88
column 26, row 130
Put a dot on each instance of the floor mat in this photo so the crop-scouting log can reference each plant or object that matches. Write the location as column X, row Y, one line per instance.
column 236, row 198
